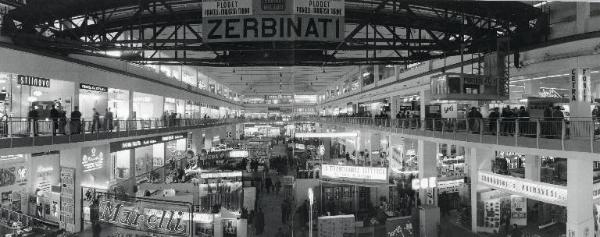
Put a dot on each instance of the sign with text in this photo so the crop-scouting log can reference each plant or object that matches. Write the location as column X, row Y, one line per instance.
column 361, row 173
column 33, row 81
column 544, row 192
column 148, row 216
column 131, row 144
column 67, row 199
column 91, row 87
column 273, row 20
column 221, row 8
column 449, row 111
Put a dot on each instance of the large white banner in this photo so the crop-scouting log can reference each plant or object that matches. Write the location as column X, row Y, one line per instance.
column 377, row 174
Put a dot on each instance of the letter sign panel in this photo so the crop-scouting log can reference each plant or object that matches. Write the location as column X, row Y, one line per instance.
column 273, row 20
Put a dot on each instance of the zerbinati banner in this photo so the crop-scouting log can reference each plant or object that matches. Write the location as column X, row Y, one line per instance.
column 273, row 20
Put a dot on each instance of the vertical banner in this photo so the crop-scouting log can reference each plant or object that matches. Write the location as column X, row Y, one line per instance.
column 518, row 210
column 67, row 199
column 581, row 85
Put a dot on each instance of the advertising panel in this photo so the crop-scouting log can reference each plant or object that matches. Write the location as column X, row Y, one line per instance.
column 67, row 199
column 143, row 215
column 518, row 210
column 360, row 173
column 273, row 20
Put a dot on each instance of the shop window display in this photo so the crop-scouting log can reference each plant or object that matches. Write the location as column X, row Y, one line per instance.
column 92, row 97
column 451, row 161
column 509, row 163
column 118, row 103
column 554, row 170
column 147, row 106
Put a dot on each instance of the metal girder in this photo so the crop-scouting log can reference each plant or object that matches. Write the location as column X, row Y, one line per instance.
column 174, row 26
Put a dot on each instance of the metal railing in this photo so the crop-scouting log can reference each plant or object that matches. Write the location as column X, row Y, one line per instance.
column 574, row 134
column 22, row 132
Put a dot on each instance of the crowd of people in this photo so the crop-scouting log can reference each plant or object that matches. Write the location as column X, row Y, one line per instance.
column 58, row 117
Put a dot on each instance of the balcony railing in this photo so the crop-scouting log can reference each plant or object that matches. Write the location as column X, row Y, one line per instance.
column 574, row 134
column 23, row 132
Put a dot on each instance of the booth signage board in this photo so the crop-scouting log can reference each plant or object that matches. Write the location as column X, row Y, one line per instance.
column 360, row 173
column 336, row 226
column 33, row 81
column 91, row 87
column 233, row 174
column 92, row 159
column 518, row 210
column 273, row 20
column 143, row 215
column 451, row 186
column 449, row 110
column 544, row 192
column 399, row 227
column 67, row 199
column 131, row 144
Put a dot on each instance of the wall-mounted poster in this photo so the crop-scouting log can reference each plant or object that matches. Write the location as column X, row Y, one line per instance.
column 518, row 210
column 67, row 199
column 229, row 228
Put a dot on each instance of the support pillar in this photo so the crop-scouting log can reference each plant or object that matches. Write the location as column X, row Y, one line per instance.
column 582, row 17
column 477, row 159
column 533, row 165
column 429, row 213
column 424, row 97
column 375, row 146
column 580, row 221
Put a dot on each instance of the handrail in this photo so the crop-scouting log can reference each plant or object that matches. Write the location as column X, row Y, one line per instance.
column 573, row 133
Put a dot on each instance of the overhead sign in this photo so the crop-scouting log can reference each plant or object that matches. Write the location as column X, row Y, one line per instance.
column 375, row 174
column 449, row 111
column 233, row 174
column 162, row 218
column 451, row 186
column 131, row 144
column 544, row 192
column 90, row 87
column 92, row 159
column 33, row 81
column 273, row 20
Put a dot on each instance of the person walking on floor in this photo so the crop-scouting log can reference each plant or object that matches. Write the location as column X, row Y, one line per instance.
column 260, row 221
column 285, row 211
column 277, row 186
column 268, row 184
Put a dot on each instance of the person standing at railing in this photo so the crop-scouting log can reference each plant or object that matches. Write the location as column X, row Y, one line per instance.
column 54, row 115
column 32, row 121
column 108, row 120
column 75, row 125
column 493, row 117
column 523, row 116
column 557, row 121
column 95, row 121
column 62, row 120
column 474, row 117
column 508, row 121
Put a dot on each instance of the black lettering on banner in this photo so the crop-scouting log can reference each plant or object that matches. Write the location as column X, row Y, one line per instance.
column 337, row 28
column 324, row 23
column 281, row 27
column 248, row 27
column 311, row 29
column 297, row 28
column 217, row 23
column 271, row 27
column 229, row 28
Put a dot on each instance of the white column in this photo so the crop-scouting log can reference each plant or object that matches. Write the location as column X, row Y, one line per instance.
column 429, row 214
column 478, row 159
column 582, row 17
column 424, row 97
column 580, row 221
column 533, row 165
column 71, row 158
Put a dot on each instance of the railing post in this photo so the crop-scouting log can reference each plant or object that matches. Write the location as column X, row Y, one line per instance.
column 481, row 130
column 538, row 133
column 517, row 127
column 497, row 130
column 443, row 126
column 591, row 133
column 433, row 127
column 563, row 131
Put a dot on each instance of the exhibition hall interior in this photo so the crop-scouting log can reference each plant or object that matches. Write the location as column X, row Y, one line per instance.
column 299, row 118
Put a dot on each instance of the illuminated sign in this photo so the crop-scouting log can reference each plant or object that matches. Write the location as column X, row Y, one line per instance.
column 139, row 217
column 329, row 134
column 424, row 183
column 33, row 81
column 117, row 146
column 238, row 154
column 378, row 174
column 221, row 175
column 550, row 193
column 90, row 87
column 92, row 160
column 220, row 8
column 450, row 185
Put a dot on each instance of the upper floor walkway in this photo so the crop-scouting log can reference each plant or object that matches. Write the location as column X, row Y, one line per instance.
column 574, row 134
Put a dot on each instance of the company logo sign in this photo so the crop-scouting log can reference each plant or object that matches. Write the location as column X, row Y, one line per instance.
column 377, row 174
column 90, row 87
column 33, row 81
column 137, row 216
